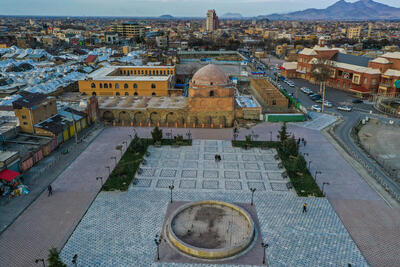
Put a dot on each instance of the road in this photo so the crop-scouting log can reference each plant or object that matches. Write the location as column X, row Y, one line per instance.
column 350, row 119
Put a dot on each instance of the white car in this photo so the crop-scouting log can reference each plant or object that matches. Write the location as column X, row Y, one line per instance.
column 316, row 108
column 328, row 104
column 344, row 108
column 305, row 90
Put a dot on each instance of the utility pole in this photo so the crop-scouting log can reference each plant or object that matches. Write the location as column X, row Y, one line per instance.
column 323, row 96
column 73, row 120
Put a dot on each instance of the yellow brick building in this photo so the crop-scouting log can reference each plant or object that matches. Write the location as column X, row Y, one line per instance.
column 130, row 81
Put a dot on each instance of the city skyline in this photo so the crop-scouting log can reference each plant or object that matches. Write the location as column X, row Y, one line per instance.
column 189, row 8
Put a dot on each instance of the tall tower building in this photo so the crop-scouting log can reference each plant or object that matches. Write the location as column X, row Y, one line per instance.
column 370, row 25
column 212, row 21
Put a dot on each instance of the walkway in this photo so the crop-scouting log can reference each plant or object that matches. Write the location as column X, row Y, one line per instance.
column 49, row 221
column 374, row 226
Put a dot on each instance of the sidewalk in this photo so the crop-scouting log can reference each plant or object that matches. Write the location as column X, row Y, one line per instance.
column 37, row 182
column 49, row 221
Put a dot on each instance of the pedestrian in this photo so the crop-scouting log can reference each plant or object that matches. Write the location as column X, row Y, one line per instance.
column 50, row 189
column 216, row 157
column 304, row 207
column 305, row 142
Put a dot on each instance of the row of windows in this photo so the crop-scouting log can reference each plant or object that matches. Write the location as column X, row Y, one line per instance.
column 145, row 72
column 126, row 86
column 126, row 94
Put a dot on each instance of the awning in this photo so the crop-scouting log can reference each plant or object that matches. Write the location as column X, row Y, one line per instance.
column 8, row 175
column 360, row 90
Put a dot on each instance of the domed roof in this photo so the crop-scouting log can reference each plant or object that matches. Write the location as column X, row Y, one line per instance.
column 210, row 75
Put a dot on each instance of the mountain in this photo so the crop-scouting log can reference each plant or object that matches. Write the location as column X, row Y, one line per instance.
column 232, row 16
column 166, row 17
column 342, row 10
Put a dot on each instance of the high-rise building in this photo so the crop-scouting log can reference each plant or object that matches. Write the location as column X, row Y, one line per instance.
column 129, row 30
column 212, row 22
column 354, row 32
column 370, row 26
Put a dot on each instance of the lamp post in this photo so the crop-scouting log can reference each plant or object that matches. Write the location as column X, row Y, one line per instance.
column 115, row 159
column 109, row 169
column 323, row 184
column 42, row 260
column 316, row 173
column 264, row 245
column 74, row 260
column 270, row 136
column 171, row 187
column 158, row 240
column 252, row 194
column 101, row 179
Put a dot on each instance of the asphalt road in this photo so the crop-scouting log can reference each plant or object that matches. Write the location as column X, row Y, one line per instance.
column 350, row 119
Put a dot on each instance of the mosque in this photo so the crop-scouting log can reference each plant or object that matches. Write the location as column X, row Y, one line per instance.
column 211, row 103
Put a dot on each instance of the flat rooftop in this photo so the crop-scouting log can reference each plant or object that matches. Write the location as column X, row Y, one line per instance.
column 145, row 102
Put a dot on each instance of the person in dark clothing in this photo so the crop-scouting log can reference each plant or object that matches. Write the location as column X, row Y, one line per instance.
column 305, row 142
column 50, row 189
column 304, row 207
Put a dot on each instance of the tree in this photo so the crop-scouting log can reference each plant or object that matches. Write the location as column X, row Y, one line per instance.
column 54, row 259
column 283, row 135
column 157, row 134
column 321, row 71
column 291, row 147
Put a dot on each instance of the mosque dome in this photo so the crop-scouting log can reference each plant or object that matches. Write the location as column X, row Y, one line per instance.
column 210, row 75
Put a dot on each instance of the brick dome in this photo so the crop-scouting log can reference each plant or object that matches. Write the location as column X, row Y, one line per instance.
column 210, row 75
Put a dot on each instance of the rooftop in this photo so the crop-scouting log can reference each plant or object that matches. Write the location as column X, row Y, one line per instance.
column 29, row 100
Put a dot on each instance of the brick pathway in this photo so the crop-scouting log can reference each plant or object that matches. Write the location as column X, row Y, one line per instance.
column 49, row 221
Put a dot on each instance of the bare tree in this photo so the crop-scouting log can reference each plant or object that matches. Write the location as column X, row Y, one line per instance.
column 321, row 71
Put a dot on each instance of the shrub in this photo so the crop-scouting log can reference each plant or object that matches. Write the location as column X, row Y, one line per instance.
column 54, row 259
column 157, row 134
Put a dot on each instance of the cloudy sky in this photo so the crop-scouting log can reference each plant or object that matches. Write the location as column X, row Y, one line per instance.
column 160, row 7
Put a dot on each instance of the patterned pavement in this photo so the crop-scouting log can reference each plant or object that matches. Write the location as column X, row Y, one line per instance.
column 119, row 228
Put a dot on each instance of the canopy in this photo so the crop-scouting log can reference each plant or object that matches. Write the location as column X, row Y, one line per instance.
column 8, row 175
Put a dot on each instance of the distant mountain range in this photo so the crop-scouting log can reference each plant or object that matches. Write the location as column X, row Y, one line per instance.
column 166, row 17
column 342, row 10
column 232, row 16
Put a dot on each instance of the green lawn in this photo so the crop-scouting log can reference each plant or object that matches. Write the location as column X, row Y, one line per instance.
column 300, row 177
column 122, row 176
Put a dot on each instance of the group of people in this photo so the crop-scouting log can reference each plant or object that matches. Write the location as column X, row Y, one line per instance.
column 217, row 158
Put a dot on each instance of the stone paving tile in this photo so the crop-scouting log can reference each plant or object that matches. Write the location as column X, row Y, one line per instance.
column 275, row 176
column 143, row 182
column 253, row 175
column 119, row 228
column 189, row 174
column 168, row 173
column 210, row 184
column 257, row 185
column 187, row 184
column 279, row 187
column 231, row 175
column 233, row 185
column 164, row 183
column 210, row 174
column 191, row 164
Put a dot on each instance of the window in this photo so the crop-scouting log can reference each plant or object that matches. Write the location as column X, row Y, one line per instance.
column 154, row 72
column 126, row 86
column 134, row 72
column 153, row 94
column 365, row 80
column 126, row 93
column 373, row 81
column 135, row 94
column 340, row 73
column 23, row 116
column 117, row 94
column 211, row 93
column 211, row 83
column 135, row 86
column 153, row 85
column 93, row 85
column 356, row 79
column 94, row 94
column 131, row 72
column 105, row 85
column 273, row 102
column 101, row 85
column 25, row 123
column 142, row 72
column 168, row 72
column 110, row 85
column 145, row 72
column 117, row 86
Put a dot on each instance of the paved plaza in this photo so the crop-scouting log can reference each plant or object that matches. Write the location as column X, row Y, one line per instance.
column 119, row 228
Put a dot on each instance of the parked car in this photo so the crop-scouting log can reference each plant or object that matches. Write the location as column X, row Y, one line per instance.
column 316, row 108
column 316, row 97
column 357, row 101
column 344, row 108
column 319, row 100
column 305, row 90
column 328, row 104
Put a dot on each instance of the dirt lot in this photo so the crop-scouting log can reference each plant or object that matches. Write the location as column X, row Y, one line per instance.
column 382, row 141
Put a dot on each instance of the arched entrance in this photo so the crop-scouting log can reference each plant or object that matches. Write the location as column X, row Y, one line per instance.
column 155, row 118
column 124, row 117
column 108, row 116
column 140, row 117
column 171, row 118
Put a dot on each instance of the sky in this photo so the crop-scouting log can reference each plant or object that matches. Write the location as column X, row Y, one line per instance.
column 179, row 8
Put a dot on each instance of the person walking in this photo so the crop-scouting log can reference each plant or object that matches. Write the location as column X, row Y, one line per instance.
column 304, row 207
column 50, row 189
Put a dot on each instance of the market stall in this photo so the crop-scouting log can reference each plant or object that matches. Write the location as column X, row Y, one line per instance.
column 10, row 184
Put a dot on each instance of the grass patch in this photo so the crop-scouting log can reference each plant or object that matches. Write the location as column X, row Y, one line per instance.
column 123, row 174
column 296, row 167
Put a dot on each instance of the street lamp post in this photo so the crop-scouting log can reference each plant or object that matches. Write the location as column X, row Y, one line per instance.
column 74, row 260
column 171, row 187
column 323, row 184
column 157, row 240
column 252, row 195
column 101, row 179
column 42, row 260
column 316, row 173
column 270, row 136
column 264, row 245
